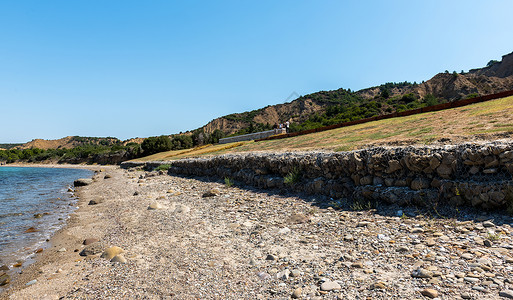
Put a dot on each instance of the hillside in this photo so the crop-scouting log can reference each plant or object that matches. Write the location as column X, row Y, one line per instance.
column 491, row 120
column 443, row 87
column 68, row 142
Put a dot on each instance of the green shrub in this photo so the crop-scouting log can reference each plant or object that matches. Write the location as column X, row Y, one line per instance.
column 228, row 182
column 164, row 167
column 292, row 177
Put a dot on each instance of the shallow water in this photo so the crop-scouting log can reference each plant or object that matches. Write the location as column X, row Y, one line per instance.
column 33, row 197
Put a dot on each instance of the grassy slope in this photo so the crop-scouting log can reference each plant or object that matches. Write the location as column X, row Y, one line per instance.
column 488, row 120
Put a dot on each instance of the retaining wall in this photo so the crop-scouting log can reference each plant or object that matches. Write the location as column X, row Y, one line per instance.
column 252, row 136
column 478, row 175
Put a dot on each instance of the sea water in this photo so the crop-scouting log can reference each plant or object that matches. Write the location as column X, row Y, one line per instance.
column 38, row 198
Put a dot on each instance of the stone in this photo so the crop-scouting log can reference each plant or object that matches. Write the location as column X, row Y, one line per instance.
column 330, row 286
column 155, row 206
column 295, row 273
column 92, row 249
column 393, row 165
column 30, row 230
column 182, row 209
column 4, row 278
column 467, row 256
column 488, row 224
column 270, row 257
column 430, row 293
column 297, row 219
column 89, row 241
column 118, row 259
column 419, row 184
column 357, row 265
column 95, row 201
column 107, row 176
column 31, row 282
column 211, row 193
column 471, row 279
column 417, row 230
column 297, row 293
column 421, row 273
column 82, row 182
column 62, row 250
column 37, row 216
column 444, row 171
column 506, row 294
column 109, row 253
column 263, row 275
column 378, row 285
column 284, row 230
column 284, row 275
column 430, row 242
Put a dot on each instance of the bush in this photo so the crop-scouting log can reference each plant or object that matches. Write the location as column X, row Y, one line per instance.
column 154, row 145
column 164, row 167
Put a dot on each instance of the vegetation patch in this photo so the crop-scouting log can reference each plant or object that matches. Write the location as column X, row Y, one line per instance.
column 293, row 177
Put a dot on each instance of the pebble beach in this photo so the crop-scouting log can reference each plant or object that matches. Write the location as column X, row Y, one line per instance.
column 149, row 235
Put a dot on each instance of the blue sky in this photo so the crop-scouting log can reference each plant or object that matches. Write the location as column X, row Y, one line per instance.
column 145, row 68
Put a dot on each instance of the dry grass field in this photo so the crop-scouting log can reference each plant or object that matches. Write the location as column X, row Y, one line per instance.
column 483, row 121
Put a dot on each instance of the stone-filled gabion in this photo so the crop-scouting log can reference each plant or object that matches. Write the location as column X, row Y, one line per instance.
column 478, row 175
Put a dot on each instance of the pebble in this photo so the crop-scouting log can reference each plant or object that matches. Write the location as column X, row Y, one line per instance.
column 330, row 286
column 417, row 230
column 467, row 256
column 471, row 279
column 62, row 250
column 488, row 224
column 155, row 206
column 270, row 257
column 211, row 193
column 421, row 273
column 119, row 259
column 479, row 288
column 31, row 282
column 297, row 293
column 109, row 253
column 506, row 294
column 4, row 278
column 263, row 275
column 295, row 273
column 89, row 241
column 431, row 293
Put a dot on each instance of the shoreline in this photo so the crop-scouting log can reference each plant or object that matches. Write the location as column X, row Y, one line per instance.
column 17, row 272
column 190, row 238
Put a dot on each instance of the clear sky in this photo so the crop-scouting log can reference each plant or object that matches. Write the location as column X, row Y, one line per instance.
column 145, row 68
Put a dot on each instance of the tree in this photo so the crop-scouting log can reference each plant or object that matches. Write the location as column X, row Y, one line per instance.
column 154, row 145
column 492, row 62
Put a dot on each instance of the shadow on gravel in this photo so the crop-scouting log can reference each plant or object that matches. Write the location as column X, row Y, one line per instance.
column 376, row 207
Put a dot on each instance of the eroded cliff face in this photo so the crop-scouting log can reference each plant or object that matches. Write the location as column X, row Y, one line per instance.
column 295, row 111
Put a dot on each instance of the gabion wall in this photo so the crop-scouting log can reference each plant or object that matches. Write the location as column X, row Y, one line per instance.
column 478, row 175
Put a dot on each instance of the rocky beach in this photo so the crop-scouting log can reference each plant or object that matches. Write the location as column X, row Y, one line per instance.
column 149, row 235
